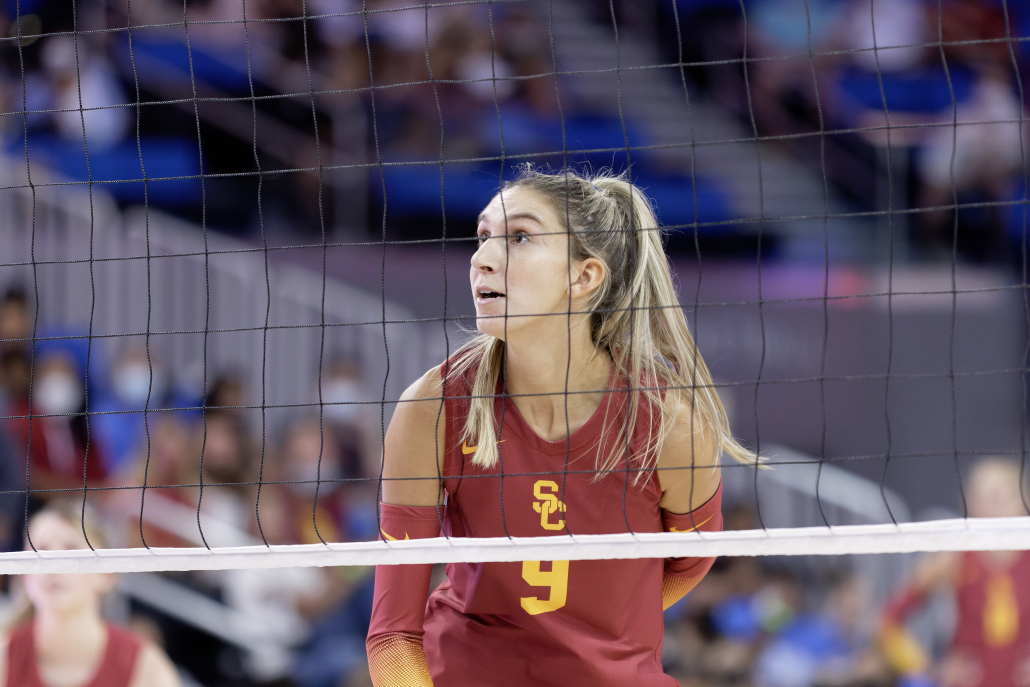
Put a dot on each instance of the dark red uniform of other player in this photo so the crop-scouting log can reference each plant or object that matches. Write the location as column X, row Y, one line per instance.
column 991, row 645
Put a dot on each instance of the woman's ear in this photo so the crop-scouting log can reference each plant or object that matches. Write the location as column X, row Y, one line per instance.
column 587, row 277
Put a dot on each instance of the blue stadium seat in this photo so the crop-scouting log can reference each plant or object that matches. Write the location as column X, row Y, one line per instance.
column 162, row 157
column 415, row 190
column 163, row 55
column 922, row 90
column 673, row 195
column 601, row 133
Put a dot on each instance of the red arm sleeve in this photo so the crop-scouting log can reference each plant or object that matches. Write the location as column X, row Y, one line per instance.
column 683, row 574
column 394, row 643
column 903, row 652
column 898, row 607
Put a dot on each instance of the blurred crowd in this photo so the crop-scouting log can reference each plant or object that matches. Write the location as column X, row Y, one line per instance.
column 314, row 106
column 305, row 87
column 859, row 81
column 201, row 457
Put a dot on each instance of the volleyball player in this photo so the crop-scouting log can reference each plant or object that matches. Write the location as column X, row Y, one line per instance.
column 991, row 644
column 583, row 407
column 65, row 642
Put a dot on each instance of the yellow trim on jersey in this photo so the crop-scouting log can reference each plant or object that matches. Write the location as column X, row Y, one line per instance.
column 695, row 527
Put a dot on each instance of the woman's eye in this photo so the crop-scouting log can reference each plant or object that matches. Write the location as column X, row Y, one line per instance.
column 481, row 238
column 520, row 238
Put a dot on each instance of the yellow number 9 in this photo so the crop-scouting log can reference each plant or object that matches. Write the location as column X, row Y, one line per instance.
column 557, row 578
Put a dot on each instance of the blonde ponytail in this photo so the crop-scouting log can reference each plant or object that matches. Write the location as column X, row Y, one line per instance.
column 636, row 317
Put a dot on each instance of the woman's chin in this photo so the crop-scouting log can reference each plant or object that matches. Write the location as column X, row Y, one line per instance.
column 493, row 325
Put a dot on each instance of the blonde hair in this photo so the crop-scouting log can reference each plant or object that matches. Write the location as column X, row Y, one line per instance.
column 635, row 316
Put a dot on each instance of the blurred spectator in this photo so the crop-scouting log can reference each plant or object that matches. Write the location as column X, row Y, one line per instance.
column 15, row 325
column 903, row 23
column 830, row 647
column 120, row 425
column 14, row 347
column 58, row 433
column 973, row 164
column 226, row 397
column 991, row 644
column 80, row 79
column 346, row 411
column 173, row 462
column 229, row 456
column 312, row 494
column 333, row 655
column 65, row 640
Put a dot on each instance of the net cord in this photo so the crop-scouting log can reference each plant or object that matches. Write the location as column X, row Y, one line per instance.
column 996, row 534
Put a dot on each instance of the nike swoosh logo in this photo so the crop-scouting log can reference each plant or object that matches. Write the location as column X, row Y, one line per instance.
column 691, row 529
column 389, row 538
column 472, row 449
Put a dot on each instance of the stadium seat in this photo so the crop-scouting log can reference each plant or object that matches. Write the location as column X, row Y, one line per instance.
column 163, row 156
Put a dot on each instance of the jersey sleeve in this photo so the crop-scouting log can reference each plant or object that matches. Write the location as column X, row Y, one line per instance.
column 394, row 644
column 682, row 574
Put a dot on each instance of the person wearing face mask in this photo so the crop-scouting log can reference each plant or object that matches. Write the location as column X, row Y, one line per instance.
column 310, row 470
column 344, row 410
column 57, row 438
column 65, row 642
column 137, row 385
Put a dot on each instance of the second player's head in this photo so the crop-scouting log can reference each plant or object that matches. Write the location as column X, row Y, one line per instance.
column 58, row 527
column 993, row 489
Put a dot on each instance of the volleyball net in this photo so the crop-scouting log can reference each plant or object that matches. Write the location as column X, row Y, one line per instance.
column 845, row 212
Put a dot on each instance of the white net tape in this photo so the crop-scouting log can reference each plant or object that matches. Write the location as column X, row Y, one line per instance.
column 997, row 534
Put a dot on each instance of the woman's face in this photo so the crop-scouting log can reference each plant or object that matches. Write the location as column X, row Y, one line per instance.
column 993, row 492
column 522, row 265
column 65, row 593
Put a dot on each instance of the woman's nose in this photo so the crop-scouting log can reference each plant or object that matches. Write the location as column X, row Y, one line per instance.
column 486, row 257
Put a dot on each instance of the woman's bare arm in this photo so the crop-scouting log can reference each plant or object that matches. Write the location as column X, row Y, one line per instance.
column 688, row 465
column 414, row 447
column 153, row 669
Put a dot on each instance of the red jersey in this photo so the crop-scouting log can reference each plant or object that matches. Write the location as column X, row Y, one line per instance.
column 115, row 669
column 993, row 616
column 58, row 446
column 545, row 623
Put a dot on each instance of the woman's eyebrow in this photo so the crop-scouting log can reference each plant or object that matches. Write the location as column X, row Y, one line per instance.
column 512, row 217
column 525, row 215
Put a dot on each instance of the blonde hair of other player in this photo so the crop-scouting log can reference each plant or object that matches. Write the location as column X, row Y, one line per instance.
column 631, row 313
column 69, row 633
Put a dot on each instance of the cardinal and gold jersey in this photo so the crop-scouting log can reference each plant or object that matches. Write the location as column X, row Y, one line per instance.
column 994, row 616
column 565, row 623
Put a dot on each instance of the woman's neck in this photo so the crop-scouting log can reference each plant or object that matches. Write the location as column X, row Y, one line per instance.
column 74, row 637
column 540, row 371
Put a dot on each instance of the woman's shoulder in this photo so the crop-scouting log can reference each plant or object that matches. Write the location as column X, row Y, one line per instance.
column 427, row 387
column 5, row 644
column 152, row 667
column 688, row 464
column 451, row 378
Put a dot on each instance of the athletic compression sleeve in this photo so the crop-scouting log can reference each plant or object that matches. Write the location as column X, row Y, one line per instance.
column 683, row 574
column 903, row 651
column 394, row 643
